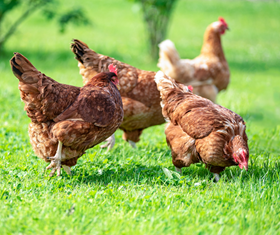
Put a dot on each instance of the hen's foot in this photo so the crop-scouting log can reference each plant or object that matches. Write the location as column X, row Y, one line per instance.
column 110, row 143
column 179, row 170
column 132, row 144
column 56, row 161
column 67, row 169
column 217, row 177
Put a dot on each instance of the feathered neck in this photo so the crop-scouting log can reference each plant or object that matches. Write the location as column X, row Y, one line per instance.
column 212, row 43
column 100, row 79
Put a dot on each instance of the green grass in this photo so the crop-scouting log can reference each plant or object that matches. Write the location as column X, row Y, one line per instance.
column 126, row 190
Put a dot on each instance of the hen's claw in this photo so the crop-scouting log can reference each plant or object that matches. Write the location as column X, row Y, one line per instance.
column 132, row 144
column 67, row 169
column 217, row 177
column 56, row 165
column 56, row 161
column 110, row 142
column 179, row 170
column 58, row 169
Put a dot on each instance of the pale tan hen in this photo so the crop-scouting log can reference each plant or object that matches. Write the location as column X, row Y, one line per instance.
column 208, row 73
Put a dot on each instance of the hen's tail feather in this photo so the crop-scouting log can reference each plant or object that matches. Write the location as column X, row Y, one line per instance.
column 166, row 84
column 168, row 53
column 22, row 68
column 15, row 69
column 44, row 98
column 78, row 48
column 171, row 64
column 90, row 62
column 168, row 88
column 169, row 59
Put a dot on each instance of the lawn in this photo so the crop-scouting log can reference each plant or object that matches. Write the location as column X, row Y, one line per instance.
column 127, row 191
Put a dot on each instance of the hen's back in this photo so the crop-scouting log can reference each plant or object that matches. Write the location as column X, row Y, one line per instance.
column 44, row 98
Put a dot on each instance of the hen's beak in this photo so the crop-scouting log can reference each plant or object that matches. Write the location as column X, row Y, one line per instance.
column 241, row 158
column 243, row 165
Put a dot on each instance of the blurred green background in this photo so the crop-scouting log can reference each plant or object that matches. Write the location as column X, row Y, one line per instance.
column 117, row 29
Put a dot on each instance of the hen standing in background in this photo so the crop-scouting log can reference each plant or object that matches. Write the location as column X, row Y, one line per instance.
column 140, row 97
column 200, row 130
column 208, row 73
column 67, row 120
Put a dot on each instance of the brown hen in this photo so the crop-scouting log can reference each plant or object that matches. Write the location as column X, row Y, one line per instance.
column 67, row 120
column 208, row 73
column 140, row 97
column 200, row 130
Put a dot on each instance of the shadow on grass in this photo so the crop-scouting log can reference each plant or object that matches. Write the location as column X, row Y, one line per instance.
column 119, row 172
column 135, row 170
column 135, row 173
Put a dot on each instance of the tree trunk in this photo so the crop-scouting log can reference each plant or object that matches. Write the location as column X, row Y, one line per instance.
column 156, row 15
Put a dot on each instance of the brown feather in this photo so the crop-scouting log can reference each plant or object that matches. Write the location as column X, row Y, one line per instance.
column 140, row 97
column 78, row 117
column 200, row 129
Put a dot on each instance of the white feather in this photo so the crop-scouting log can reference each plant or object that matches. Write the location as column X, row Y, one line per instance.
column 166, row 44
column 241, row 128
column 223, row 132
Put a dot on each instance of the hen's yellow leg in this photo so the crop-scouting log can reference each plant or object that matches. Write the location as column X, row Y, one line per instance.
column 56, row 161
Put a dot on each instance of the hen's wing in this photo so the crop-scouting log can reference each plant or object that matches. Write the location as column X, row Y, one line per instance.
column 197, row 121
column 93, row 105
column 197, row 116
column 182, row 146
column 44, row 98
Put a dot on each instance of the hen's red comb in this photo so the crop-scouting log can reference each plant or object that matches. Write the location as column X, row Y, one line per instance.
column 222, row 20
column 113, row 68
column 190, row 88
